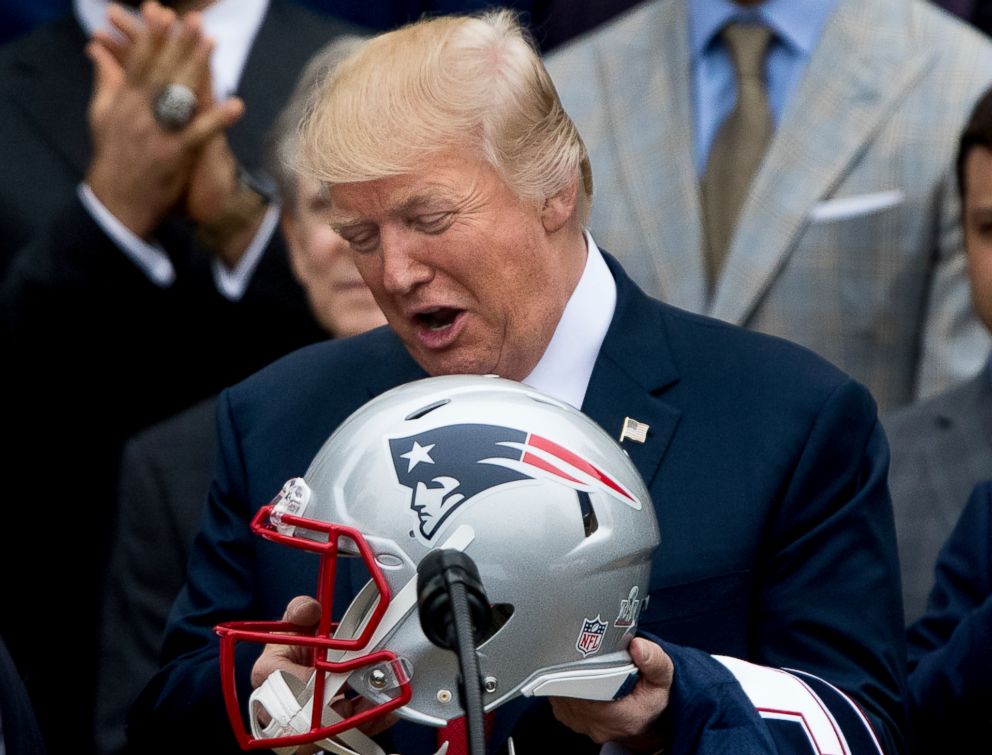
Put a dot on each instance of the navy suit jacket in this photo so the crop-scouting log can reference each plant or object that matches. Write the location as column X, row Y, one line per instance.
column 767, row 467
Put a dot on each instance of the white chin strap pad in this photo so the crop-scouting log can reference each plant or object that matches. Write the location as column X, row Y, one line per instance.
column 288, row 703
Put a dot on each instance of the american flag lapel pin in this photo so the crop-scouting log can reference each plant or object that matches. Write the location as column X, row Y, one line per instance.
column 634, row 430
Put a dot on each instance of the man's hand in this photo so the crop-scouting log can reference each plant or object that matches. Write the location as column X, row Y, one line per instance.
column 227, row 213
column 630, row 720
column 139, row 170
column 303, row 611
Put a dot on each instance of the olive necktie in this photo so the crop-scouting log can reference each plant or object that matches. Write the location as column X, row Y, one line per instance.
column 739, row 144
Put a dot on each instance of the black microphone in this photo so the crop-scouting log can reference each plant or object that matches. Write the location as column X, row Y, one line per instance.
column 455, row 614
column 436, row 573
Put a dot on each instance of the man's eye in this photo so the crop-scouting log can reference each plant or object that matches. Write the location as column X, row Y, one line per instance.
column 364, row 243
column 435, row 222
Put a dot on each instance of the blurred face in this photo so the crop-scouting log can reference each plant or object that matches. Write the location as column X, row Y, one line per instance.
column 978, row 229
column 472, row 278
column 323, row 264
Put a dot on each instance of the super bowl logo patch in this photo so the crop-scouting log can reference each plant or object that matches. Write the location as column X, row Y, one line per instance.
column 630, row 609
column 445, row 467
column 591, row 636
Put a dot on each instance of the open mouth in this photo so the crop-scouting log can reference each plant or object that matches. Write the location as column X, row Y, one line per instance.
column 437, row 318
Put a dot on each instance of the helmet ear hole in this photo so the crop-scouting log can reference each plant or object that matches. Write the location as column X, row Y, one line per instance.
column 501, row 614
column 589, row 521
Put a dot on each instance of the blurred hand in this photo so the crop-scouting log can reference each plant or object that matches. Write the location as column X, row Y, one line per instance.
column 139, row 170
column 630, row 720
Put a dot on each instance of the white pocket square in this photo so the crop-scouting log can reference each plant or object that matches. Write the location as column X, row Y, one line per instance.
column 843, row 208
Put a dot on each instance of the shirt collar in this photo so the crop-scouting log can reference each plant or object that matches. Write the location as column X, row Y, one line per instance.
column 566, row 366
column 232, row 24
column 796, row 23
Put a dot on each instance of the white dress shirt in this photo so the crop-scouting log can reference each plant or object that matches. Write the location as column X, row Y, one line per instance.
column 566, row 367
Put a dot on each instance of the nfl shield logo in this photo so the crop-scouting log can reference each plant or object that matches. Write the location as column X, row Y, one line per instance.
column 591, row 636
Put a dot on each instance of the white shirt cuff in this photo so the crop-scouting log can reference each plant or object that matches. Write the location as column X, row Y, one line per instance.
column 151, row 259
column 232, row 284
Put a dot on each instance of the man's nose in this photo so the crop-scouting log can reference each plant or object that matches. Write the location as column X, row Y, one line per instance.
column 402, row 265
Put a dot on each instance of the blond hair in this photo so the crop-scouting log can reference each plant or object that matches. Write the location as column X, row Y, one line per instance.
column 453, row 81
column 282, row 142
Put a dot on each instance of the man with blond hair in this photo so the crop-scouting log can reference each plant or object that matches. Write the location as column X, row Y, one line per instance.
column 463, row 187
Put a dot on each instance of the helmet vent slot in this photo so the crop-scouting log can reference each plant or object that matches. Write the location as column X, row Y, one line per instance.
column 427, row 409
column 589, row 521
column 501, row 613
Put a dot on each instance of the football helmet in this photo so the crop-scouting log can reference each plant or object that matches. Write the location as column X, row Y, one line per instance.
column 550, row 508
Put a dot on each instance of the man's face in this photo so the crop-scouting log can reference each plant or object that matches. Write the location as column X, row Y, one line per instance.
column 467, row 273
column 323, row 264
column 978, row 229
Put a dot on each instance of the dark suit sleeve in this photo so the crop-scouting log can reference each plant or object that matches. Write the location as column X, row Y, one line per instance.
column 719, row 705
column 73, row 297
column 830, row 601
column 827, row 607
column 185, row 696
column 950, row 664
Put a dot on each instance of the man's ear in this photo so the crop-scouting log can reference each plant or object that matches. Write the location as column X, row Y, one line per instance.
column 559, row 209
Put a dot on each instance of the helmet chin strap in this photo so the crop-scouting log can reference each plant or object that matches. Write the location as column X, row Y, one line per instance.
column 289, row 702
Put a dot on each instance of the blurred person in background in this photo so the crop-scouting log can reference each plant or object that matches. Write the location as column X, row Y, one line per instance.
column 942, row 447
column 166, row 469
column 140, row 271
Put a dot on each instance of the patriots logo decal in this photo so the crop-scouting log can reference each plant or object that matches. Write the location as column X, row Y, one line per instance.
column 447, row 466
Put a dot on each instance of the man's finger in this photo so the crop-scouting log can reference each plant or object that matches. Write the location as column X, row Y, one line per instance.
column 283, row 658
column 212, row 122
column 107, row 73
column 655, row 667
column 157, row 22
column 179, row 44
column 194, row 69
column 125, row 22
column 302, row 610
column 114, row 45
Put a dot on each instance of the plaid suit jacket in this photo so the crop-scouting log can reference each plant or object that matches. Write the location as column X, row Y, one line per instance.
column 849, row 242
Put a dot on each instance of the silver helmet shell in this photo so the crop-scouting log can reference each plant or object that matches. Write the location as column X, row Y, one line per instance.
column 550, row 508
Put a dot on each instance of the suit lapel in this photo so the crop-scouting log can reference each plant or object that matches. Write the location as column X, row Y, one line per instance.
column 55, row 97
column 861, row 67
column 288, row 37
column 634, row 366
column 649, row 86
column 266, row 83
